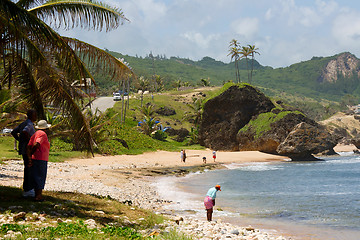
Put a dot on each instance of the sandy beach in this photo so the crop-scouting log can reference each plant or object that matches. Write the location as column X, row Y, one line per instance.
column 129, row 178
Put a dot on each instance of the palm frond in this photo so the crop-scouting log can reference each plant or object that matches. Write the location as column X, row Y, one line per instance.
column 26, row 4
column 95, row 56
column 86, row 14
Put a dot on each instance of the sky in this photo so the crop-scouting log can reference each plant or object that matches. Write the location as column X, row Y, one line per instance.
column 285, row 31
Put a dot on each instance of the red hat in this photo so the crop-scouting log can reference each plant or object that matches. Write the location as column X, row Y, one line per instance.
column 218, row 187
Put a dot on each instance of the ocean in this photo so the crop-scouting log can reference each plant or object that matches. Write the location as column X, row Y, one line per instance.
column 312, row 200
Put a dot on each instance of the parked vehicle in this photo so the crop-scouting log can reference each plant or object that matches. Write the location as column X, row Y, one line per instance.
column 117, row 97
column 6, row 130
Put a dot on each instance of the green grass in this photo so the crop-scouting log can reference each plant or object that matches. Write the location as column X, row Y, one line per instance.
column 263, row 122
column 7, row 151
column 76, row 208
column 7, row 148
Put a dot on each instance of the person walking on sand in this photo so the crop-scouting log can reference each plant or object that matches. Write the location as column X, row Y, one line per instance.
column 184, row 156
column 38, row 150
column 181, row 155
column 214, row 155
column 204, row 160
column 209, row 201
column 23, row 133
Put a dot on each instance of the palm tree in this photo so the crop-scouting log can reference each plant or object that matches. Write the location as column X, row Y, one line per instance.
column 234, row 47
column 205, row 82
column 42, row 65
column 149, row 124
column 245, row 53
column 252, row 50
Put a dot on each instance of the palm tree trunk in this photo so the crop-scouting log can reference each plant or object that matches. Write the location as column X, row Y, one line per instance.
column 247, row 67
column 252, row 66
column 122, row 101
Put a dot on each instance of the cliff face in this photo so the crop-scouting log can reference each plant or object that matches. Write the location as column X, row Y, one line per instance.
column 345, row 64
column 225, row 114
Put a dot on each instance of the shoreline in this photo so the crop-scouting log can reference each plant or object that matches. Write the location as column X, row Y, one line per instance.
column 130, row 177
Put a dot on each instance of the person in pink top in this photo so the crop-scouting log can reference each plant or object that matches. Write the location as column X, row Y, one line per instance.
column 38, row 150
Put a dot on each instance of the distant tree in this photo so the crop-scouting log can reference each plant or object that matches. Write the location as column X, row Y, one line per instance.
column 234, row 53
column 245, row 53
column 148, row 125
column 159, row 83
column 178, row 84
column 205, row 82
column 253, row 51
column 195, row 112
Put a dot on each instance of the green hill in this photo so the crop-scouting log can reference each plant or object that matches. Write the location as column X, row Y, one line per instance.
column 334, row 79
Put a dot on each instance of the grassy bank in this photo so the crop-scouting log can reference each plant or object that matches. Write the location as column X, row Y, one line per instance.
column 77, row 216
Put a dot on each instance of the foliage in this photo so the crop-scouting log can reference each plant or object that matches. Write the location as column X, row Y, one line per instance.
column 160, row 135
column 300, row 79
column 193, row 136
column 39, row 66
column 263, row 122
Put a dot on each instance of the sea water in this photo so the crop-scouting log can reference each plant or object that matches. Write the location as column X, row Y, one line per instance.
column 321, row 195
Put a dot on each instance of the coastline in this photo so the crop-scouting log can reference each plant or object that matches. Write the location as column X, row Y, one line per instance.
column 131, row 178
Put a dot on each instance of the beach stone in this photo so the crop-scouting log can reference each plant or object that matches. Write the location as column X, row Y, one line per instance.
column 250, row 229
column 91, row 223
column 19, row 216
column 235, row 231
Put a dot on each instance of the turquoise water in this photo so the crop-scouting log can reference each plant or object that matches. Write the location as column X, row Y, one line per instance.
column 323, row 194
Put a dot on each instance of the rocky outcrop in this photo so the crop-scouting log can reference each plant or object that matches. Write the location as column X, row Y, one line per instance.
column 305, row 140
column 225, row 114
column 356, row 142
column 166, row 111
column 265, row 132
column 346, row 64
column 178, row 135
column 242, row 118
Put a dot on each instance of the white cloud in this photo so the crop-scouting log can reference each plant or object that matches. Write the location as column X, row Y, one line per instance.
column 346, row 29
column 199, row 39
column 326, row 7
column 246, row 27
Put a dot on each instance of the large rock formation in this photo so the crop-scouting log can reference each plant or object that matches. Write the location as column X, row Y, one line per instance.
column 266, row 131
column 225, row 114
column 304, row 140
column 242, row 118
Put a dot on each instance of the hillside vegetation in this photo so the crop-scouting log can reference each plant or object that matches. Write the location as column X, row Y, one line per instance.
column 301, row 84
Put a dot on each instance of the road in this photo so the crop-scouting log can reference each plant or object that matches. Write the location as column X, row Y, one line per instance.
column 102, row 103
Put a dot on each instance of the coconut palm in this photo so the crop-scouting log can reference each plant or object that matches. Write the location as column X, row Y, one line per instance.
column 39, row 65
column 234, row 53
column 253, row 51
column 245, row 53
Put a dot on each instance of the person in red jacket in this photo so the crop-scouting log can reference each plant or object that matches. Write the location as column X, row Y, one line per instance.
column 38, row 150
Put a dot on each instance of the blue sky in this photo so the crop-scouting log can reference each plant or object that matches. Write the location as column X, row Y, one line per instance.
column 285, row 31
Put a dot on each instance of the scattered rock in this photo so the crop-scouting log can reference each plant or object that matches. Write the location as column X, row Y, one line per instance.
column 18, row 216
column 165, row 111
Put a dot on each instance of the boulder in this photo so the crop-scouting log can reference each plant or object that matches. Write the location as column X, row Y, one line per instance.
column 224, row 115
column 305, row 140
column 356, row 142
column 266, row 131
column 178, row 134
column 165, row 111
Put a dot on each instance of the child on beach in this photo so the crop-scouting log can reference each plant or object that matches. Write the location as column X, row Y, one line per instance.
column 204, row 160
column 214, row 155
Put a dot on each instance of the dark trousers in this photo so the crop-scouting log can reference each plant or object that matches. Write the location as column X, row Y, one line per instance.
column 38, row 174
column 27, row 184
